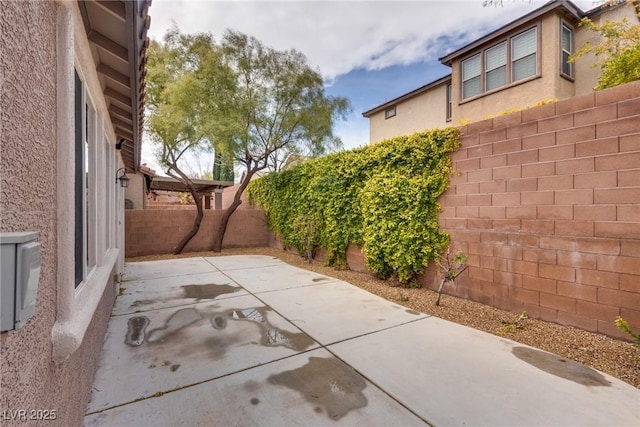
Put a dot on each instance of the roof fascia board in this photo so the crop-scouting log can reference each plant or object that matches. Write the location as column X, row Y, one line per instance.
column 543, row 10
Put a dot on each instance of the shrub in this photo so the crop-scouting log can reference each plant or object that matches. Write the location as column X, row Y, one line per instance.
column 382, row 197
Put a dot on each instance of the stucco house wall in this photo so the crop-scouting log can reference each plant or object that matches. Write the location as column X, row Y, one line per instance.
column 546, row 85
column 424, row 111
column 50, row 362
column 136, row 192
column 589, row 74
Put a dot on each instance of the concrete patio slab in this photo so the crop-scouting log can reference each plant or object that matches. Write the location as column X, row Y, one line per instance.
column 242, row 262
column 162, row 350
column 253, row 357
column 335, row 311
column 165, row 268
column 163, row 292
column 310, row 389
column 453, row 375
column 275, row 277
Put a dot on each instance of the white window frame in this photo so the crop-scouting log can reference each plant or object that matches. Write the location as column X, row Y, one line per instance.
column 390, row 112
column 510, row 80
column 76, row 305
column 503, row 65
column 535, row 54
column 564, row 61
column 478, row 57
column 449, row 111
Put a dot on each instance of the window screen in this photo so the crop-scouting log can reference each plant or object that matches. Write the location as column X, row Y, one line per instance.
column 523, row 55
column 471, row 84
column 567, row 50
column 496, row 66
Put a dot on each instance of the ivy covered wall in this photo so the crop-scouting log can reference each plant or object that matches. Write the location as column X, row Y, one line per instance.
column 382, row 197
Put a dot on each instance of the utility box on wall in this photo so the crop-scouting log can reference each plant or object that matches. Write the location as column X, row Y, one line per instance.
column 19, row 276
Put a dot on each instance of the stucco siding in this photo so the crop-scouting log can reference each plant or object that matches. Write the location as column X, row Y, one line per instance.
column 29, row 379
column 588, row 74
column 520, row 95
column 424, row 111
column 136, row 191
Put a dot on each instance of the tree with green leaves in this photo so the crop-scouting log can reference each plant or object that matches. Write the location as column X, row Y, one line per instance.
column 188, row 85
column 279, row 106
column 618, row 50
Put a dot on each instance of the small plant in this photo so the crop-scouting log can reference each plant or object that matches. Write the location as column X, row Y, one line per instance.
column 451, row 268
column 513, row 326
column 624, row 327
column 306, row 236
column 402, row 297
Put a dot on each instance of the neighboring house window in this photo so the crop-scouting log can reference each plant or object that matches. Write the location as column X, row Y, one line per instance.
column 471, row 72
column 567, row 50
column 507, row 62
column 85, row 182
column 390, row 112
column 524, row 55
column 449, row 103
column 496, row 66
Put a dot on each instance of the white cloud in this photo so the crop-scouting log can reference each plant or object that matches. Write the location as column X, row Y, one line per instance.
column 339, row 36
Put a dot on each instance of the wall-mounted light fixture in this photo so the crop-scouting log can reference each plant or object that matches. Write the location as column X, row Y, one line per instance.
column 120, row 144
column 124, row 179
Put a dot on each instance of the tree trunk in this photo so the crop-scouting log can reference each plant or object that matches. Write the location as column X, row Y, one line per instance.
column 194, row 228
column 198, row 219
column 237, row 201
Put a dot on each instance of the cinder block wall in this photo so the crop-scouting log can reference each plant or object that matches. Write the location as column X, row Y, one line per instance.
column 547, row 206
column 149, row 232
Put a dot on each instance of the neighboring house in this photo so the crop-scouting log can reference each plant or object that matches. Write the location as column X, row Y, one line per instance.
column 515, row 67
column 73, row 79
column 139, row 187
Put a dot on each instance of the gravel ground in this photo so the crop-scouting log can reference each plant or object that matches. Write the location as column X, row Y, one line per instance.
column 617, row 358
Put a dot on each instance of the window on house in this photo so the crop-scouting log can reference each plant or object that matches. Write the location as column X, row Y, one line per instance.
column 496, row 66
column 567, row 50
column 85, row 182
column 449, row 103
column 471, row 72
column 523, row 55
column 390, row 112
column 507, row 62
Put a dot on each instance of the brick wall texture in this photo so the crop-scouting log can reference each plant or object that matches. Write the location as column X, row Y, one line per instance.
column 152, row 231
column 546, row 203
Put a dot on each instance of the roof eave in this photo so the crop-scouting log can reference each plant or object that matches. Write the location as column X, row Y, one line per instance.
column 543, row 10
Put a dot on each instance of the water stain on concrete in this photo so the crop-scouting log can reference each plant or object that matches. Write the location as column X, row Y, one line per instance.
column 413, row 312
column 561, row 367
column 178, row 320
column 140, row 302
column 209, row 291
column 255, row 401
column 328, row 384
column 251, row 385
column 319, row 279
column 216, row 346
column 174, row 367
column 272, row 336
column 136, row 327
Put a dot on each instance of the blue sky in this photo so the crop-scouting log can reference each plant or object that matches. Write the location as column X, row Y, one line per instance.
column 368, row 51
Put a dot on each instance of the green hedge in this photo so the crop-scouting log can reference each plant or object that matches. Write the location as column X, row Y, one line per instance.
column 382, row 197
